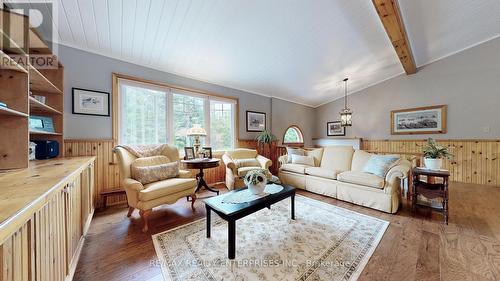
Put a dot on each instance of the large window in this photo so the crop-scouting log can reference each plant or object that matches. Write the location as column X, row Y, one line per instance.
column 156, row 114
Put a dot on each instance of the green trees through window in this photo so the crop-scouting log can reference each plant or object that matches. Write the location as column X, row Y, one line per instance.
column 293, row 135
column 150, row 115
column 188, row 111
column 143, row 116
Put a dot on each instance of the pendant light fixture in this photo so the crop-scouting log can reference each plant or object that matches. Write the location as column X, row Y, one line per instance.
column 346, row 113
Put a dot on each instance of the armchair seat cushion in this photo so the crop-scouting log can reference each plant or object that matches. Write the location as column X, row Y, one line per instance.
column 166, row 187
column 244, row 170
column 362, row 178
column 322, row 172
column 295, row 168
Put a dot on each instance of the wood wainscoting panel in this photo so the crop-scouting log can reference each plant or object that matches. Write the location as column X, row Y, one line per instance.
column 107, row 173
column 474, row 161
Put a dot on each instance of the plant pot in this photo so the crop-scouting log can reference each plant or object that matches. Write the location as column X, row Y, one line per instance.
column 257, row 188
column 433, row 164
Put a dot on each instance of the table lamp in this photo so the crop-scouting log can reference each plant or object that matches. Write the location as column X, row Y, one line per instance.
column 196, row 131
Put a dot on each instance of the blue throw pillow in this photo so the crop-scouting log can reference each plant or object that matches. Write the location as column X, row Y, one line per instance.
column 380, row 164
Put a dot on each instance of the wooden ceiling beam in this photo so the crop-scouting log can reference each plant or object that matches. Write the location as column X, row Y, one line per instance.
column 390, row 15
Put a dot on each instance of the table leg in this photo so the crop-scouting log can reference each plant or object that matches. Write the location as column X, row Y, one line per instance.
column 231, row 235
column 293, row 206
column 209, row 224
column 203, row 183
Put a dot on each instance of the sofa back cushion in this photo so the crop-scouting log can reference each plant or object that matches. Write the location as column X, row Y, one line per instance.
column 303, row 160
column 317, row 154
column 294, row 151
column 246, row 162
column 380, row 164
column 155, row 168
column 337, row 158
column 359, row 160
column 242, row 153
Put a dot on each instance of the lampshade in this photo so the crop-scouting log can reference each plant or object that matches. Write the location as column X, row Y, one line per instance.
column 196, row 130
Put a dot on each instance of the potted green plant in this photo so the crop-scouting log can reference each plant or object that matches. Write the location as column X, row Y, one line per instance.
column 434, row 154
column 265, row 138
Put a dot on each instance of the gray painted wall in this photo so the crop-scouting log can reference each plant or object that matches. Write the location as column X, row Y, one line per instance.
column 90, row 71
column 286, row 113
column 468, row 82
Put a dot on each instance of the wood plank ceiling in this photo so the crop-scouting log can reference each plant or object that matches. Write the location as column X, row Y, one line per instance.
column 297, row 50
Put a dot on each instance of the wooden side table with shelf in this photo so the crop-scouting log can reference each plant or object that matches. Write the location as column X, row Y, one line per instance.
column 430, row 189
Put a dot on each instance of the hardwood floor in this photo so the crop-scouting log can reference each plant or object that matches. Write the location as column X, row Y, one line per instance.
column 413, row 248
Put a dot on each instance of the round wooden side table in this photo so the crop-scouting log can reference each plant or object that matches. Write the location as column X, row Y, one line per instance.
column 201, row 164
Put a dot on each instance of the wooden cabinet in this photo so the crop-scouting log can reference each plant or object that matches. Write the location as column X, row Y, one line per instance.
column 42, row 240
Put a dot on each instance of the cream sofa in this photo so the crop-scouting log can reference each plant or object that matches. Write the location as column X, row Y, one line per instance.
column 239, row 162
column 338, row 173
column 146, row 197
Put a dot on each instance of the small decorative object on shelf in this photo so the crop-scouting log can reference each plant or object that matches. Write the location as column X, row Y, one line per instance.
column 434, row 155
column 3, row 104
column 32, row 150
column 41, row 99
column 256, row 181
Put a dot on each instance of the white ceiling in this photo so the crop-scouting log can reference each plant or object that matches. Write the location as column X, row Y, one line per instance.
column 297, row 50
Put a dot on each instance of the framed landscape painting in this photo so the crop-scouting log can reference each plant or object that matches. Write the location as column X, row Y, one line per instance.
column 335, row 129
column 420, row 120
column 256, row 121
column 89, row 102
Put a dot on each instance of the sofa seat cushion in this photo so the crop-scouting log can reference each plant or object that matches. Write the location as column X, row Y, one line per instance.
column 166, row 187
column 322, row 172
column 361, row 178
column 244, row 170
column 294, row 168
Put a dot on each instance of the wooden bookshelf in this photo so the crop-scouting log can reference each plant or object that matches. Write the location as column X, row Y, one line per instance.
column 12, row 112
column 10, row 64
column 42, row 133
column 21, row 80
column 39, row 83
column 39, row 108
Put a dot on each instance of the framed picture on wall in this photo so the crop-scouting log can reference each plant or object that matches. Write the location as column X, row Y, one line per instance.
column 89, row 102
column 419, row 120
column 335, row 129
column 256, row 121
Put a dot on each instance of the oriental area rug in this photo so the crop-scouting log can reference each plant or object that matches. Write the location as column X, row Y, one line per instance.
column 324, row 242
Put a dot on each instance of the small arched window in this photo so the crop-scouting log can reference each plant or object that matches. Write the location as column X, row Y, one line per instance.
column 293, row 136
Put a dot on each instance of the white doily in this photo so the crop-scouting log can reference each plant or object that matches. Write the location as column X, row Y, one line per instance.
column 246, row 196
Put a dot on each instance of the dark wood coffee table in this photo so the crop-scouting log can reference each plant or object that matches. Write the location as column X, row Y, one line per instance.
column 232, row 212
